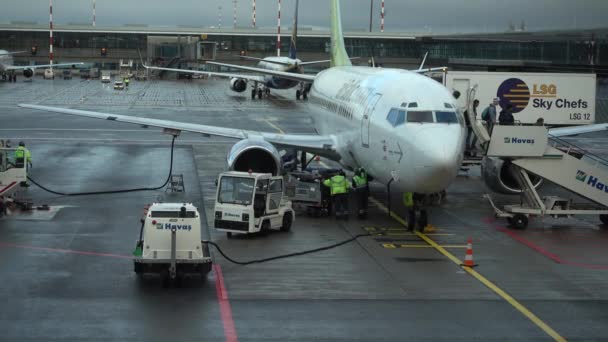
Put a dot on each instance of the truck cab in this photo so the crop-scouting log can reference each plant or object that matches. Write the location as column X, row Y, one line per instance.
column 249, row 202
column 170, row 242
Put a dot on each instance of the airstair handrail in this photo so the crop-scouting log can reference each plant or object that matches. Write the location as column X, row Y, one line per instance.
column 575, row 148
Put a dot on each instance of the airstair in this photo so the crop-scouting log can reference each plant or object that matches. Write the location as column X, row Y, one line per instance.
column 530, row 149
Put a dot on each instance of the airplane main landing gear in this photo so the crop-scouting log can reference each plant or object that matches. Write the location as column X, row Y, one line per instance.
column 260, row 93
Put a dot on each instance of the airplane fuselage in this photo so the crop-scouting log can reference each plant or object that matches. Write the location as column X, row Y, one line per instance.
column 290, row 65
column 368, row 110
column 5, row 59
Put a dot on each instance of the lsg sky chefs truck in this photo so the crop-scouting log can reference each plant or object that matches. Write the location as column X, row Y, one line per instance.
column 560, row 99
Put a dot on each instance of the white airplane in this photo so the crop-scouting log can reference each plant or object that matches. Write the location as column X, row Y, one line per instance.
column 263, row 83
column 402, row 127
column 7, row 67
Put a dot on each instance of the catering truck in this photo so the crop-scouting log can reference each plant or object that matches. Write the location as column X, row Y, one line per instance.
column 560, row 99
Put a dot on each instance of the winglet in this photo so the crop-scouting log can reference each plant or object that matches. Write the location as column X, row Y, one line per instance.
column 423, row 60
column 339, row 57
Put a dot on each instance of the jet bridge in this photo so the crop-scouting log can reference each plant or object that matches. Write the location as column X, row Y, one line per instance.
column 531, row 149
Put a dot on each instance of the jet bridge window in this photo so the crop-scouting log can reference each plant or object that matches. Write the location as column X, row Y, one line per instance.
column 396, row 117
column 446, row 117
column 420, row 116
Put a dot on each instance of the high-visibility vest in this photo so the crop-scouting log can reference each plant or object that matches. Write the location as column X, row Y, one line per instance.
column 408, row 199
column 337, row 184
column 23, row 153
column 360, row 180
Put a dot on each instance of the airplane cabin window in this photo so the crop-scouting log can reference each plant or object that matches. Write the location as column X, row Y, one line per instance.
column 419, row 116
column 446, row 117
column 413, row 105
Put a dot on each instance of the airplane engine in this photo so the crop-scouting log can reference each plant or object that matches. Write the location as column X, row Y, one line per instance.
column 256, row 155
column 238, row 84
column 497, row 176
column 28, row 73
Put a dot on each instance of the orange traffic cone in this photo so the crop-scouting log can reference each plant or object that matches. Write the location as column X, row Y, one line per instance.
column 468, row 258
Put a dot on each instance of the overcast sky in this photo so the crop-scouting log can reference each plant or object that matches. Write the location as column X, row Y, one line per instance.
column 401, row 15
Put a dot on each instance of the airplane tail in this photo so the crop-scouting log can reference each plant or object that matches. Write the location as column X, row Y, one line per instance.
column 294, row 35
column 339, row 57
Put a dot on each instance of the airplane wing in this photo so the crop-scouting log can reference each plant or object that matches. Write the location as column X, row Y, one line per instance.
column 316, row 62
column 21, row 67
column 11, row 53
column 255, row 78
column 264, row 60
column 281, row 74
column 323, row 145
column 575, row 130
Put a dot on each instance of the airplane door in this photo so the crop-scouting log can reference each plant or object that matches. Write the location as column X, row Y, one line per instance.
column 369, row 110
column 462, row 85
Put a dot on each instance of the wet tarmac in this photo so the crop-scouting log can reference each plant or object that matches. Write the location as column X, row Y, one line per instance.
column 69, row 276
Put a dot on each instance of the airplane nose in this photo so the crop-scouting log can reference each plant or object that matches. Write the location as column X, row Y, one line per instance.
column 437, row 163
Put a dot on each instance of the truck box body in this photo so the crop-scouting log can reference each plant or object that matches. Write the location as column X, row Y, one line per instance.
column 560, row 99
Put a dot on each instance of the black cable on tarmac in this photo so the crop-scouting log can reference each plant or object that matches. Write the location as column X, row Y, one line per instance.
column 284, row 256
column 112, row 191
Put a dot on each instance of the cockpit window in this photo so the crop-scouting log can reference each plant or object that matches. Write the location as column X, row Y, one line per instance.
column 446, row 117
column 396, row 117
column 419, row 116
column 412, row 105
column 392, row 116
column 447, row 105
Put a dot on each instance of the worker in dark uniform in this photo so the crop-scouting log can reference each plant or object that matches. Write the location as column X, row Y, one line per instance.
column 339, row 186
column 361, row 186
column 415, row 205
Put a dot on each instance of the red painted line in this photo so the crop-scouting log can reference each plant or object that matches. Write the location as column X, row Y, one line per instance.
column 7, row 187
column 68, row 251
column 555, row 258
column 225, row 309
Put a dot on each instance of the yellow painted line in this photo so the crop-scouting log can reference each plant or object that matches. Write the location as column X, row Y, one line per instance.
column 399, row 245
column 274, row 126
column 517, row 305
column 408, row 234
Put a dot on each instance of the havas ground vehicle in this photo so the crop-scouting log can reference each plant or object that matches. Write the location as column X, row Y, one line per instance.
column 170, row 242
column 251, row 202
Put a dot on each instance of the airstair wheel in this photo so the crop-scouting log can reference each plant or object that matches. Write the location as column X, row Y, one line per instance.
column 519, row 221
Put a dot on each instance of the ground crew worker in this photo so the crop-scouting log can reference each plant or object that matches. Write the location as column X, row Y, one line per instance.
column 339, row 194
column 414, row 203
column 22, row 155
column 361, row 185
column 127, row 82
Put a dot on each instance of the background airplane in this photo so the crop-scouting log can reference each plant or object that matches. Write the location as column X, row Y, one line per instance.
column 263, row 83
column 7, row 67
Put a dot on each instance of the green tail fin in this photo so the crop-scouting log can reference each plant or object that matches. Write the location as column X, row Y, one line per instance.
column 339, row 57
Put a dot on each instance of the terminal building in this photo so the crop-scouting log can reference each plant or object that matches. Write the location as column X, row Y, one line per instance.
column 105, row 46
